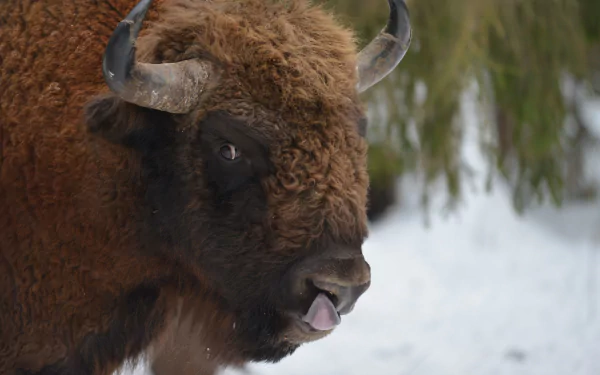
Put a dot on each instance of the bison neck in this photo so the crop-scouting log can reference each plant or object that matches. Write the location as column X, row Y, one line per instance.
column 70, row 260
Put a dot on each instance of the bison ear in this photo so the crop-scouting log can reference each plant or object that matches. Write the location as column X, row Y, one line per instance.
column 108, row 116
column 122, row 123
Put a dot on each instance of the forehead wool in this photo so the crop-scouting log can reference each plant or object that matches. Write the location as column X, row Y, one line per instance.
column 285, row 54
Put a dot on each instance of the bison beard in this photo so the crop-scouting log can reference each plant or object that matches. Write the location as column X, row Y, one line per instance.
column 221, row 181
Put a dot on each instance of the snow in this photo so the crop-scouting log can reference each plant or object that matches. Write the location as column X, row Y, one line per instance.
column 482, row 291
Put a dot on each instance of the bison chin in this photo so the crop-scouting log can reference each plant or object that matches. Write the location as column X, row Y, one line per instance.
column 271, row 336
column 266, row 336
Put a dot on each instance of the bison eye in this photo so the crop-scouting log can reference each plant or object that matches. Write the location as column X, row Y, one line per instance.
column 229, row 152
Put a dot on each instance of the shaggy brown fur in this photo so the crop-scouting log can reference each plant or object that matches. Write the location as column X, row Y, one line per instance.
column 110, row 213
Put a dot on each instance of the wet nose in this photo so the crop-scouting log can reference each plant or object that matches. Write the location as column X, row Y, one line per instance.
column 342, row 295
column 329, row 285
column 342, row 279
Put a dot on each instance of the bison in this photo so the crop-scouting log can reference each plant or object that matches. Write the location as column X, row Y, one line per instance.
column 211, row 172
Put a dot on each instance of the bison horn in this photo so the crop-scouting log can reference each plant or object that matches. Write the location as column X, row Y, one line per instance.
column 171, row 87
column 386, row 51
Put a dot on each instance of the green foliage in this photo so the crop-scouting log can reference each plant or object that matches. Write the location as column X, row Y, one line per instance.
column 590, row 16
column 532, row 45
column 516, row 50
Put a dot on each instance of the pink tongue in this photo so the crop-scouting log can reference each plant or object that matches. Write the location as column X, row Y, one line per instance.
column 322, row 315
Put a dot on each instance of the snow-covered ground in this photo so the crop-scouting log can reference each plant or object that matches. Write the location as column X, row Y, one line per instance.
column 480, row 292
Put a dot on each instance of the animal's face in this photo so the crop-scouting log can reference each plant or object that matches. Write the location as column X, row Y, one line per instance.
column 259, row 187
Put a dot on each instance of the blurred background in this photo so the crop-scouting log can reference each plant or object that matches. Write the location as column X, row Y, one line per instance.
column 534, row 62
column 485, row 169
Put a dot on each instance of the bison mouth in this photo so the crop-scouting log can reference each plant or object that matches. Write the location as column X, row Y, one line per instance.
column 322, row 314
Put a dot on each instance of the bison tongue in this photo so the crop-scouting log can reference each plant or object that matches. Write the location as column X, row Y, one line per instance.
column 322, row 315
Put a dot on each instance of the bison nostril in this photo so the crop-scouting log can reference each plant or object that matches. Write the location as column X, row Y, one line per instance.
column 343, row 297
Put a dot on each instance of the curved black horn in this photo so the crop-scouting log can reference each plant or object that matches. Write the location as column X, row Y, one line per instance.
column 386, row 51
column 171, row 87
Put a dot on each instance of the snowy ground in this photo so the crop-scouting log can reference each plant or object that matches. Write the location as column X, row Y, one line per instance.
column 481, row 292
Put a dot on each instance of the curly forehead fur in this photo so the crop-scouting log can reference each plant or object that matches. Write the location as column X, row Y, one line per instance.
column 286, row 54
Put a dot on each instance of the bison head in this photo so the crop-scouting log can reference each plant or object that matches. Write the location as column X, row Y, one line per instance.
column 250, row 136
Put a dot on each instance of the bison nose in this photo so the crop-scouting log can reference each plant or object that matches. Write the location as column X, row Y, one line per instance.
column 327, row 286
column 343, row 280
column 344, row 297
